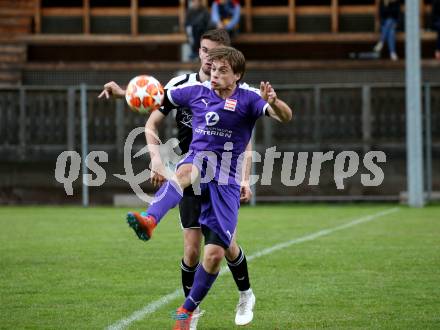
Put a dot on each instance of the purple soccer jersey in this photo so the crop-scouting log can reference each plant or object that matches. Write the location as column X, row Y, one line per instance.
column 221, row 127
column 221, row 130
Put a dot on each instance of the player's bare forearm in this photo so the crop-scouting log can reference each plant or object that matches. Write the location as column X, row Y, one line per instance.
column 277, row 109
column 247, row 165
column 282, row 111
column 245, row 190
column 151, row 135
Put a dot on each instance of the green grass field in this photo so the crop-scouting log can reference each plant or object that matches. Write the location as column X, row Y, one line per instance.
column 74, row 268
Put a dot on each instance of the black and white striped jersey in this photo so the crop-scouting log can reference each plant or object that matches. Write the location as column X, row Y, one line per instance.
column 183, row 114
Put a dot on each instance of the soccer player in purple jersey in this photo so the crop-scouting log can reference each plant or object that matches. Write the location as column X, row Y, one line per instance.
column 224, row 115
column 190, row 205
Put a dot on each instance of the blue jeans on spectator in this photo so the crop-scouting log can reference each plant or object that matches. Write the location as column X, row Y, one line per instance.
column 388, row 35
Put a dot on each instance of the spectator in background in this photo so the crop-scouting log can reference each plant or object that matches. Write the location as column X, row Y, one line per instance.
column 197, row 22
column 389, row 17
column 225, row 14
column 436, row 25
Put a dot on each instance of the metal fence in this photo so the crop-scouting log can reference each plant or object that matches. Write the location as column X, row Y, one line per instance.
column 37, row 123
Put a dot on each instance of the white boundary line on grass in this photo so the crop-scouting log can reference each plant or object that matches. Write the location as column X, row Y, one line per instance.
column 155, row 305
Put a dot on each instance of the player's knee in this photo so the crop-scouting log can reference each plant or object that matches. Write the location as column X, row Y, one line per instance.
column 213, row 258
column 184, row 175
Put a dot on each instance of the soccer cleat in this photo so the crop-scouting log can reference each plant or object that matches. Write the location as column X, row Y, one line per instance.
column 142, row 224
column 195, row 318
column 245, row 308
column 183, row 319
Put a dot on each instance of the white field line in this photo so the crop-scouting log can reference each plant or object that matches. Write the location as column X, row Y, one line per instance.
column 155, row 305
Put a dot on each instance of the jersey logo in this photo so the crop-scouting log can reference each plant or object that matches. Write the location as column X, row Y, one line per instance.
column 204, row 102
column 186, row 118
column 230, row 104
column 212, row 118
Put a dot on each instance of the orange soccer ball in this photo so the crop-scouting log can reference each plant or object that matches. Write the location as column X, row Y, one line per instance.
column 144, row 94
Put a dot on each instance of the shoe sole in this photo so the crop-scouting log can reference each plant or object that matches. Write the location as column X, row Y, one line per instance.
column 195, row 319
column 134, row 224
column 246, row 324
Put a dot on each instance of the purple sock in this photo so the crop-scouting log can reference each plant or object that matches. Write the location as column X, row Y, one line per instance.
column 167, row 197
column 202, row 283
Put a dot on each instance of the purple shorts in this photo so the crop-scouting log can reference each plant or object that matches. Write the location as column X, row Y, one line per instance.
column 220, row 204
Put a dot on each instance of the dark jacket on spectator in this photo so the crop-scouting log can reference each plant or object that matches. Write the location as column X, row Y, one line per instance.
column 199, row 17
column 435, row 10
column 392, row 10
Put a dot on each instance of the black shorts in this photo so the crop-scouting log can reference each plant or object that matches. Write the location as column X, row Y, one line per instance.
column 212, row 238
column 189, row 208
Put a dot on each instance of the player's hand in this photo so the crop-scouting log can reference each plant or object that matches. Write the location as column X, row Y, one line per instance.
column 112, row 89
column 157, row 180
column 263, row 91
column 245, row 194
column 268, row 93
column 158, row 172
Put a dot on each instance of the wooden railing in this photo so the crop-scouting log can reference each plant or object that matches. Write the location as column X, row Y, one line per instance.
column 86, row 12
column 291, row 10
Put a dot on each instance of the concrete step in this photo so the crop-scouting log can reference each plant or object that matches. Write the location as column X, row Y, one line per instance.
column 128, row 200
column 433, row 196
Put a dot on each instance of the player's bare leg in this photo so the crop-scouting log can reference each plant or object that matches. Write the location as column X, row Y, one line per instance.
column 192, row 239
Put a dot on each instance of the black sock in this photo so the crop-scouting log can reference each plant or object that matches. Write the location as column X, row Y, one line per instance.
column 187, row 277
column 239, row 271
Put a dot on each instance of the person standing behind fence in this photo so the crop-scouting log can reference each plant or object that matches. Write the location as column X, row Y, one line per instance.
column 225, row 14
column 389, row 17
column 197, row 22
column 436, row 25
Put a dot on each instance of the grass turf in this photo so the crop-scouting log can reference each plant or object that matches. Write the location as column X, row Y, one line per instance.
column 67, row 267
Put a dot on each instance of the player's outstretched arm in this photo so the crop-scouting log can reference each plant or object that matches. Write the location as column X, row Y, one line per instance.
column 151, row 134
column 245, row 190
column 112, row 89
column 277, row 109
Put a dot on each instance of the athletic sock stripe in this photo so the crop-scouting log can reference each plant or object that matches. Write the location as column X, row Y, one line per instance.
column 233, row 264
column 189, row 270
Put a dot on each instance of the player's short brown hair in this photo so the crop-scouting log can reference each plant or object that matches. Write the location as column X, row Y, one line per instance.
column 220, row 36
column 233, row 56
